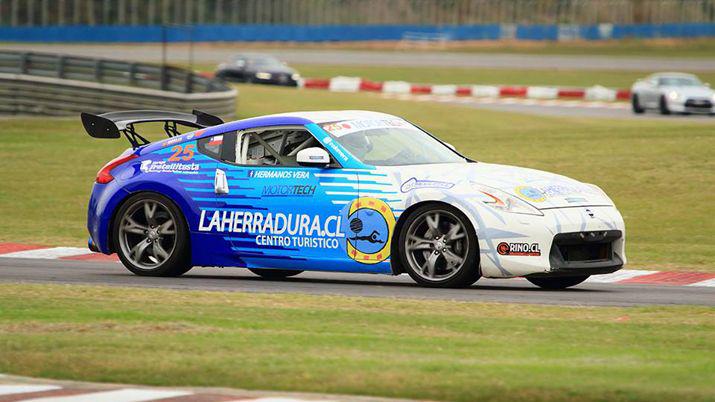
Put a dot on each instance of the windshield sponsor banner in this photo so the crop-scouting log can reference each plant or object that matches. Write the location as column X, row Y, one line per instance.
column 281, row 229
column 414, row 184
column 342, row 128
column 149, row 166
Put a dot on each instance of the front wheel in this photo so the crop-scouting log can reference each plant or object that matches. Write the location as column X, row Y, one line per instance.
column 274, row 273
column 151, row 237
column 636, row 105
column 558, row 282
column 663, row 106
column 438, row 247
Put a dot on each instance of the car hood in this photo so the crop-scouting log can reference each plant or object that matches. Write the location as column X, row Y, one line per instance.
column 541, row 189
column 696, row 92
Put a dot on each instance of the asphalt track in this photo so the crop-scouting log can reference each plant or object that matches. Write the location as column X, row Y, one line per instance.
column 215, row 53
column 16, row 270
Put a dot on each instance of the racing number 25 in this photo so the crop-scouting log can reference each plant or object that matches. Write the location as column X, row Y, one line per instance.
column 182, row 153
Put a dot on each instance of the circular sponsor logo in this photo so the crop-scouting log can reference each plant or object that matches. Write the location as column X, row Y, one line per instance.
column 503, row 248
column 531, row 193
column 370, row 225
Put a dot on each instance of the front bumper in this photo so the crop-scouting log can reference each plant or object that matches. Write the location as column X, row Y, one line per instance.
column 584, row 253
column 695, row 106
column 565, row 241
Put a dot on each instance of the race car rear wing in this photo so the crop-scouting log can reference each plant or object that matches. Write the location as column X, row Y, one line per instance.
column 114, row 124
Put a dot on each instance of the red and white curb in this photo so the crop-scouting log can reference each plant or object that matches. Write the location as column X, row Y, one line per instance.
column 25, row 389
column 56, row 393
column 624, row 276
column 357, row 84
column 509, row 101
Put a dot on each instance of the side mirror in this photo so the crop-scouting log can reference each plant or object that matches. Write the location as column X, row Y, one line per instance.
column 314, row 156
column 450, row 146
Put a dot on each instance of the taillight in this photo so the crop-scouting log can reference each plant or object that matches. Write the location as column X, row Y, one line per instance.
column 104, row 175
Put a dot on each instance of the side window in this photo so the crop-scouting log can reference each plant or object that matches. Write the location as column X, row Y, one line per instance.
column 221, row 147
column 211, row 146
column 274, row 147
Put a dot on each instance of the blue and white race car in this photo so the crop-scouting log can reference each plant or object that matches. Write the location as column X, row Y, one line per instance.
column 346, row 191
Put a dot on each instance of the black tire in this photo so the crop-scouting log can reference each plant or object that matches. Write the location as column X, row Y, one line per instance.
column 461, row 276
column 663, row 106
column 557, row 282
column 178, row 261
column 274, row 273
column 636, row 105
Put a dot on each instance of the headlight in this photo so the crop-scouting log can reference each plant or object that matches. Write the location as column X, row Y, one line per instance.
column 503, row 201
column 672, row 95
column 295, row 77
column 263, row 76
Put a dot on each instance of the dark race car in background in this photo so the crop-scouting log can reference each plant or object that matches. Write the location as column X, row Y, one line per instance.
column 257, row 69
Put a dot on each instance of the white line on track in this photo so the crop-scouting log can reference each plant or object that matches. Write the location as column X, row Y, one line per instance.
column 24, row 389
column 120, row 395
column 48, row 253
column 707, row 283
column 618, row 276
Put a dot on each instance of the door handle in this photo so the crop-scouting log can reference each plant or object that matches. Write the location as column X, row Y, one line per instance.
column 220, row 182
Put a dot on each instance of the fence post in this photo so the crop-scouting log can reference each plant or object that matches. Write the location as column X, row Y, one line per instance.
column 61, row 67
column 98, row 72
column 24, row 62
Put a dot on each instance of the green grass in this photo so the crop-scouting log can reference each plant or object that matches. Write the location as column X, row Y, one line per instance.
column 438, row 350
column 660, row 174
column 485, row 76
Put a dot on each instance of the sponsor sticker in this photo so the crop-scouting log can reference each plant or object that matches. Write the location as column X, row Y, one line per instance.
column 276, row 229
column 278, row 174
column 370, row 224
column 341, row 128
column 519, row 249
column 149, row 166
column 530, row 193
column 414, row 184
column 280, row 190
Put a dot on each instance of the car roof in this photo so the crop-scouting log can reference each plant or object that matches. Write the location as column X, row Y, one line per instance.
column 320, row 117
column 297, row 119
column 673, row 74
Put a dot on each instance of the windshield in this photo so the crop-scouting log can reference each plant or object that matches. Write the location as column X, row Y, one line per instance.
column 678, row 81
column 390, row 142
column 265, row 62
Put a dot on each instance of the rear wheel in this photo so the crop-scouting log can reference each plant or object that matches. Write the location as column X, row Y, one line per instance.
column 274, row 273
column 557, row 282
column 438, row 247
column 151, row 237
column 636, row 105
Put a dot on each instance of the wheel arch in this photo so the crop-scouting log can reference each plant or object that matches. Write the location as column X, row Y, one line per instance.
column 156, row 188
column 395, row 259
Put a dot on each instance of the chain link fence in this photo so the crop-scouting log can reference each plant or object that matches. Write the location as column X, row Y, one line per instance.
column 347, row 12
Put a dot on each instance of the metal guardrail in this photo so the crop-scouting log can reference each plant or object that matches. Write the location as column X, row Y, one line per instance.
column 44, row 83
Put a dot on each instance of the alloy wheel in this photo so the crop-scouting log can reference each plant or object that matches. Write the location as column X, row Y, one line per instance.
column 147, row 234
column 436, row 245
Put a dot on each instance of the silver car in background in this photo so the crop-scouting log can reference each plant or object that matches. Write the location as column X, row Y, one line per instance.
column 672, row 93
